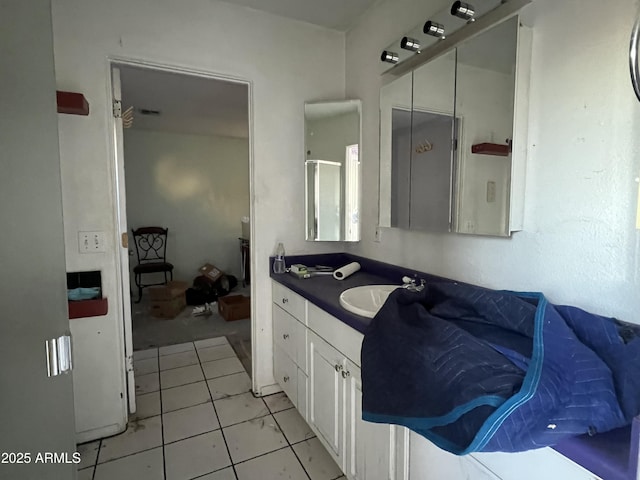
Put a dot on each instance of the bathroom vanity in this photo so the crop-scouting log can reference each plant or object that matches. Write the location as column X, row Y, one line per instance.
column 317, row 346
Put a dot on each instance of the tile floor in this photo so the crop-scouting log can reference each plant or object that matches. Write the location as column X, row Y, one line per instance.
column 197, row 419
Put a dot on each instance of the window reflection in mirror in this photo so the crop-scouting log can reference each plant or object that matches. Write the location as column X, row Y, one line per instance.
column 332, row 170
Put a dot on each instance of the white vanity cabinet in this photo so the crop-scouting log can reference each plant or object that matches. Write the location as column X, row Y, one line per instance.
column 317, row 364
column 331, row 360
column 290, row 345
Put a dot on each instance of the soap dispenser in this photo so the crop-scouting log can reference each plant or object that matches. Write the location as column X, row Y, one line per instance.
column 279, row 265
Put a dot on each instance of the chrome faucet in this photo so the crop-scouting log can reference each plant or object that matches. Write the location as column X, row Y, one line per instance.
column 411, row 285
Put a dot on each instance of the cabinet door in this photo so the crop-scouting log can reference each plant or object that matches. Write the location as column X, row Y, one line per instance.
column 428, row 461
column 326, row 365
column 370, row 446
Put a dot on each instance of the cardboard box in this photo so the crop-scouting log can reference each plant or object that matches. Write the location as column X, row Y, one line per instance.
column 172, row 289
column 234, row 307
column 211, row 272
column 168, row 308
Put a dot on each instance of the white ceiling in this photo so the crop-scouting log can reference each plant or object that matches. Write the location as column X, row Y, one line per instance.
column 187, row 104
column 335, row 14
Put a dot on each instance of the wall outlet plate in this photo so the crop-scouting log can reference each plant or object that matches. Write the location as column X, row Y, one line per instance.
column 91, row 242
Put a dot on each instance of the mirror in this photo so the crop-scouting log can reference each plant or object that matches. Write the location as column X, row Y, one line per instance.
column 485, row 86
column 332, row 170
column 446, row 162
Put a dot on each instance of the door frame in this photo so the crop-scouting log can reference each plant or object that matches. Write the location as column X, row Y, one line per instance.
column 120, row 215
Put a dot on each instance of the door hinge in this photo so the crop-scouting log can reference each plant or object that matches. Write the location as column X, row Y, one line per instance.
column 117, row 108
column 125, row 240
column 128, row 361
column 59, row 355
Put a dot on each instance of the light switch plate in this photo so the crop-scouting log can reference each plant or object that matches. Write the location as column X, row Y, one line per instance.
column 91, row 242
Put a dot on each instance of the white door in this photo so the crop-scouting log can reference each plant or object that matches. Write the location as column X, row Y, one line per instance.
column 36, row 411
column 326, row 394
column 121, row 207
column 370, row 446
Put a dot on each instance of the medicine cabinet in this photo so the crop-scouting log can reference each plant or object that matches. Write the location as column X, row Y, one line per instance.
column 453, row 136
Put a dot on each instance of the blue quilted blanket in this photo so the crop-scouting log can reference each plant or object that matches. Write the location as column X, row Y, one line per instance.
column 473, row 369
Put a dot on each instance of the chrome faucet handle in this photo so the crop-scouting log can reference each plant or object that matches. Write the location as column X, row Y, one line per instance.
column 410, row 284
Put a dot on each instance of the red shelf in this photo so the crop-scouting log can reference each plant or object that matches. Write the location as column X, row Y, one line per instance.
column 72, row 103
column 88, row 308
column 491, row 149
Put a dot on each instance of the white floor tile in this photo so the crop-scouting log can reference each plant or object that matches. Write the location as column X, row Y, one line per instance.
column 226, row 474
column 147, row 383
column 211, row 342
column 240, row 408
column 281, row 464
column 181, row 376
column 189, row 422
column 141, row 435
column 278, row 402
column 179, row 348
column 141, row 466
column 143, row 354
column 255, row 437
column 185, row 396
column 220, row 368
column 86, row 474
column 210, row 354
column 147, row 365
column 147, row 405
column 88, row 454
column 178, row 360
column 222, row 387
column 196, row 456
column 316, row 460
column 293, row 425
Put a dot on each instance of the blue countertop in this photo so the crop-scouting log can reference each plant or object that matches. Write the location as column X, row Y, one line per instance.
column 612, row 455
column 324, row 291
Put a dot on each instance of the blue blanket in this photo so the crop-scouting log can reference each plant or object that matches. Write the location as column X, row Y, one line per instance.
column 473, row 369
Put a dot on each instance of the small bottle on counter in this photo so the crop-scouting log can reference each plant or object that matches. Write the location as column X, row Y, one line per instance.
column 279, row 265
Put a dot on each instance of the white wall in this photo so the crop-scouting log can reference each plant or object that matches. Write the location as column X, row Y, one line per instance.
column 579, row 245
column 198, row 187
column 272, row 53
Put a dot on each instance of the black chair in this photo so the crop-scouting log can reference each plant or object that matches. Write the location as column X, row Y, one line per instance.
column 151, row 249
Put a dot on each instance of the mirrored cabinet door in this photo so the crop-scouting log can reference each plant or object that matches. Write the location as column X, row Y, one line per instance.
column 485, row 88
column 332, row 170
column 395, row 130
column 432, row 158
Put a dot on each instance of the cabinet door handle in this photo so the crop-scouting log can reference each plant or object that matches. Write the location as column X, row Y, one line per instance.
column 285, row 300
column 286, row 378
column 346, row 374
column 285, row 336
column 338, row 367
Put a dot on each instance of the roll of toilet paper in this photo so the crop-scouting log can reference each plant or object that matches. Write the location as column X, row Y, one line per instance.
column 344, row 272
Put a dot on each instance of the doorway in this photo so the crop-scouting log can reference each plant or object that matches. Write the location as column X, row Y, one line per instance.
column 185, row 167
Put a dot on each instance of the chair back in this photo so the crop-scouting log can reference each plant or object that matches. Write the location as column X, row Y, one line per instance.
column 151, row 244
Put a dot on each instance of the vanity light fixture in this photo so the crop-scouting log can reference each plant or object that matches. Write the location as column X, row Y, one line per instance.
column 434, row 29
column 463, row 10
column 390, row 57
column 410, row 44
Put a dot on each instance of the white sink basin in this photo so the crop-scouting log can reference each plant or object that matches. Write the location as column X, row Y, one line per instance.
column 366, row 300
